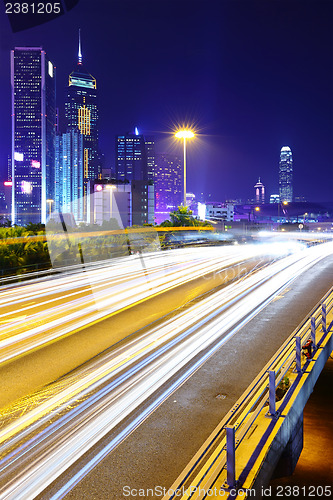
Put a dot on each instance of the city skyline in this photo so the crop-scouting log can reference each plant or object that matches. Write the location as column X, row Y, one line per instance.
column 248, row 86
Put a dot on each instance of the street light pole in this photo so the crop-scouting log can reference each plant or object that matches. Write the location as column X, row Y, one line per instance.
column 184, row 134
column 49, row 202
column 184, row 198
column 111, row 188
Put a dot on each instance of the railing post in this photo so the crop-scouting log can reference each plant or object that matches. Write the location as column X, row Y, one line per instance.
column 313, row 332
column 298, row 354
column 323, row 317
column 231, row 459
column 272, row 390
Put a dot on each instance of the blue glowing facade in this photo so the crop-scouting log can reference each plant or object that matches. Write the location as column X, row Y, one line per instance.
column 69, row 174
column 33, row 134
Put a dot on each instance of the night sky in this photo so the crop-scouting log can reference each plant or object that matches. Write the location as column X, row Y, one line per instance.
column 252, row 76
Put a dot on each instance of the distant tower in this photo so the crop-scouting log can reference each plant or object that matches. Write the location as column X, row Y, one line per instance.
column 260, row 192
column 81, row 112
column 131, row 157
column 33, row 134
column 286, row 175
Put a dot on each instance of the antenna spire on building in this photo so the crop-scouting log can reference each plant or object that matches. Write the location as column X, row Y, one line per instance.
column 79, row 53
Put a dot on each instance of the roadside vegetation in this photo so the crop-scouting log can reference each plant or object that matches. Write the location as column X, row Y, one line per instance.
column 183, row 216
column 20, row 248
column 25, row 249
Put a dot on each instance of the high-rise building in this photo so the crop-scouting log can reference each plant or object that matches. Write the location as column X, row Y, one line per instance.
column 131, row 157
column 168, row 180
column 260, row 192
column 142, row 202
column 69, row 174
column 33, row 133
column 81, row 112
column 150, row 156
column 286, row 175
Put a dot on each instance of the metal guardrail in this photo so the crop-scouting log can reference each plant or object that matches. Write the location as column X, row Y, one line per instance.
column 15, row 274
column 219, row 452
column 42, row 270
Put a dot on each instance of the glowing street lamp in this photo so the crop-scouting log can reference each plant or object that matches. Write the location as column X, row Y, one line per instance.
column 285, row 204
column 256, row 209
column 281, row 204
column 184, row 134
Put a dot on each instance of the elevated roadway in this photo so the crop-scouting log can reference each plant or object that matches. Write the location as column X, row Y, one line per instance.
column 235, row 304
column 160, row 448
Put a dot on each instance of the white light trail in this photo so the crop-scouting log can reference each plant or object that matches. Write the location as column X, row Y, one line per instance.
column 72, row 304
column 151, row 361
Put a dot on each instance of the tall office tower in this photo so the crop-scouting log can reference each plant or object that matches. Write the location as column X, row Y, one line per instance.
column 286, row 175
column 168, row 180
column 150, row 156
column 81, row 112
column 260, row 192
column 131, row 157
column 69, row 174
column 33, row 133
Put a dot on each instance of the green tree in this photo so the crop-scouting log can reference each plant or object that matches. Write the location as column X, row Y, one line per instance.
column 5, row 222
column 20, row 248
column 183, row 217
column 35, row 228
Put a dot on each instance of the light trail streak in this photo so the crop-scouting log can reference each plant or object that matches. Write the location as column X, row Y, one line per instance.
column 179, row 341
column 107, row 294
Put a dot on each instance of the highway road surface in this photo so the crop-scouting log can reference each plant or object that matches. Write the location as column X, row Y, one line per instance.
column 45, row 433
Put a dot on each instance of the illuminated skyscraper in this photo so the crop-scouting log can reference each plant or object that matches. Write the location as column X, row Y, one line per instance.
column 168, row 181
column 81, row 112
column 33, row 133
column 286, row 175
column 131, row 157
column 69, row 174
